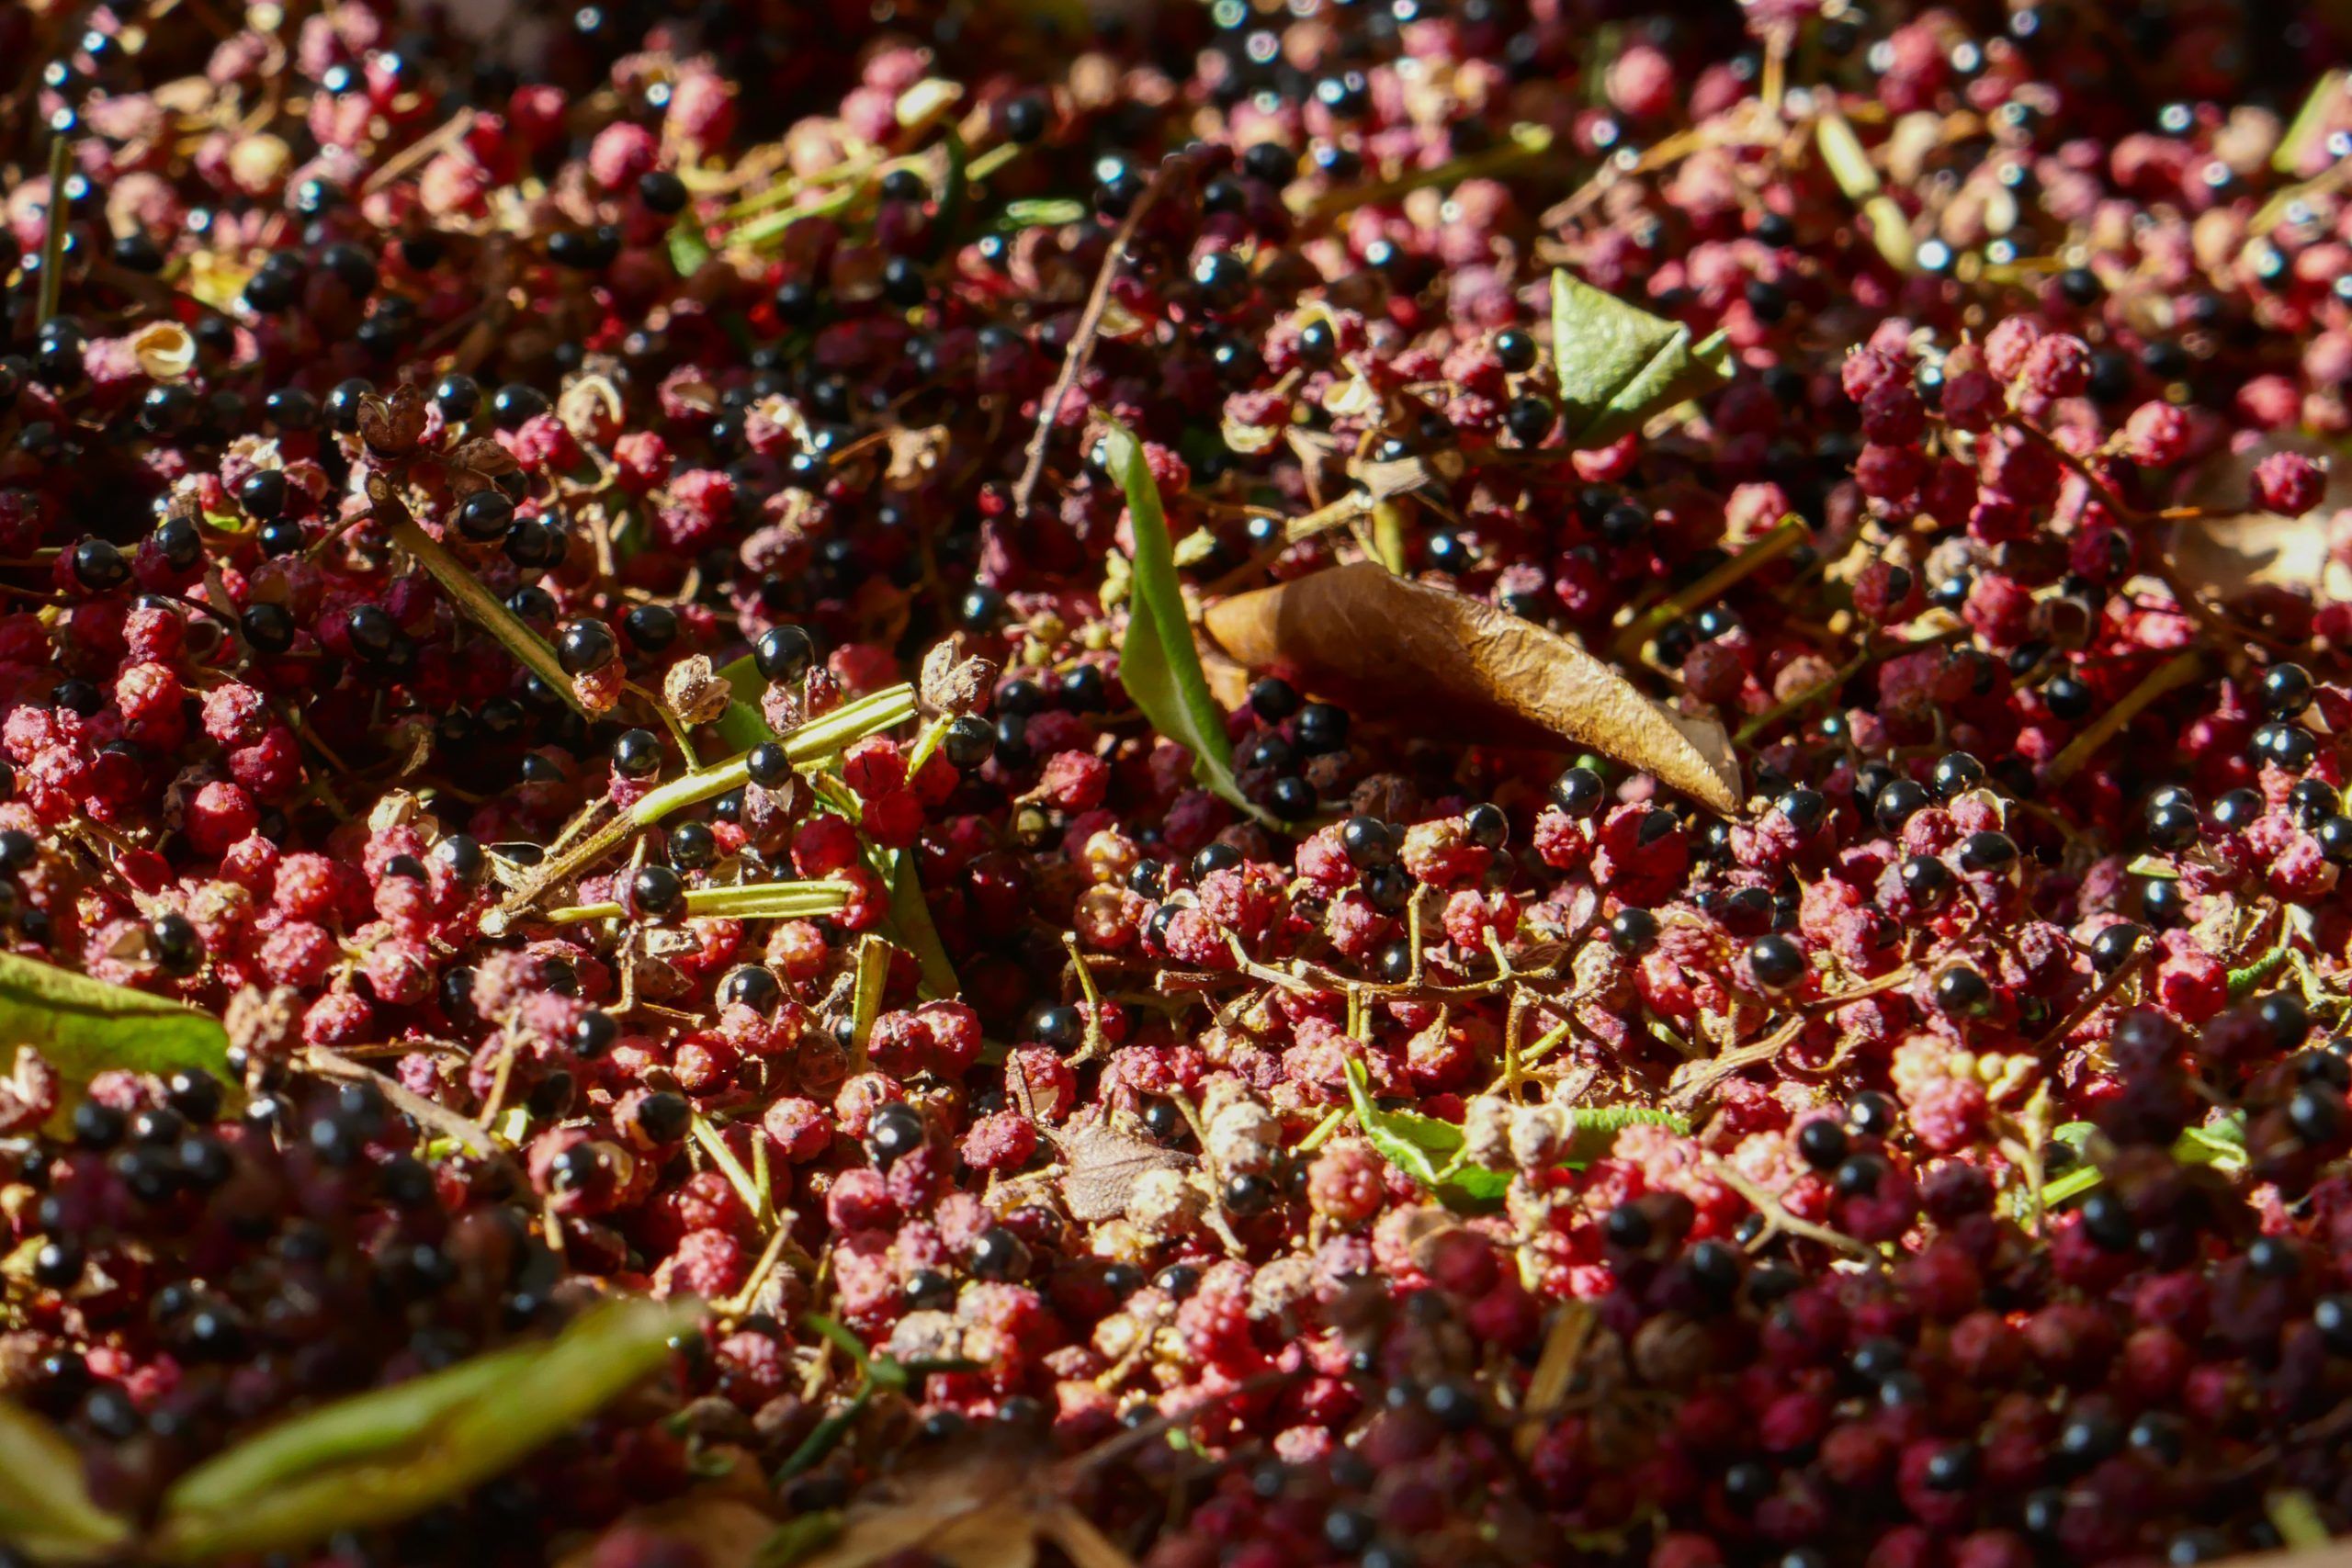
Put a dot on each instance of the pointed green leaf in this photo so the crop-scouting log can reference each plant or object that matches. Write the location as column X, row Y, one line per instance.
column 2244, row 981
column 368, row 1426
column 1420, row 1146
column 1423, row 1147
column 2219, row 1142
column 1595, row 1128
column 910, row 920
column 485, row 609
column 46, row 1510
column 689, row 246
column 1619, row 365
column 742, row 725
column 1042, row 213
column 1159, row 664
column 382, row 1457
column 2074, row 1184
column 796, row 1539
column 82, row 1027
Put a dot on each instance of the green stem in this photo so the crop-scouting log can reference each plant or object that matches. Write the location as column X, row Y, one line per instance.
column 836, row 730
column 829, row 1432
column 52, row 240
column 743, row 901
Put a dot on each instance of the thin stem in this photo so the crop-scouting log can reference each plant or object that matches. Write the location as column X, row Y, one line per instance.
column 1081, row 342
column 2170, row 676
column 52, row 240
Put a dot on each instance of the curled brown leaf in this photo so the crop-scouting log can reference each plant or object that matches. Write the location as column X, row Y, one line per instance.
column 1457, row 668
column 1102, row 1167
column 2229, row 551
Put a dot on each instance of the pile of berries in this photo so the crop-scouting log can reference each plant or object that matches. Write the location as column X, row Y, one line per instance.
column 575, row 589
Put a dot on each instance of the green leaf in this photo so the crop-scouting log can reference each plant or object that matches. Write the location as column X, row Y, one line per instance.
column 82, row 1027
column 2296, row 1518
column 382, row 1457
column 690, row 247
column 1423, row 1147
column 46, row 1510
column 1159, row 664
column 2153, row 865
column 1619, row 365
column 2244, row 981
column 911, row 918
column 1041, row 212
column 1595, row 1128
column 2219, row 1142
column 486, row 610
column 363, row 1426
column 2308, row 124
column 742, row 725
column 2074, row 1184
column 799, row 1538
column 1476, row 1183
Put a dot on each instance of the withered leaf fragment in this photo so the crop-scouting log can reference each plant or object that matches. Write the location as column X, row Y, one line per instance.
column 1456, row 667
column 1102, row 1166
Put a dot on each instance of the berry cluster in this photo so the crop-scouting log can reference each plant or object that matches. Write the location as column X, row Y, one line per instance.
column 581, row 599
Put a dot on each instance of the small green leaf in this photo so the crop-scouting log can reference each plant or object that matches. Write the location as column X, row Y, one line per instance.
column 1596, row 1128
column 1420, row 1146
column 82, row 1027
column 385, row 1456
column 690, row 248
column 2074, row 1184
column 1619, row 365
column 2310, row 122
column 2153, row 865
column 1038, row 213
column 2244, row 981
column 910, row 920
column 1423, row 1147
column 742, row 725
column 2296, row 1518
column 1158, row 663
column 2219, row 1142
column 46, row 1510
column 799, row 1538
column 482, row 607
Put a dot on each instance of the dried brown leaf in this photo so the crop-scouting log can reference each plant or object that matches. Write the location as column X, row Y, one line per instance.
column 1080, row 1542
column 954, row 681
column 973, row 1516
column 1457, row 668
column 2231, row 552
column 915, row 455
column 1102, row 1167
column 726, row 1531
column 392, row 426
column 165, row 349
